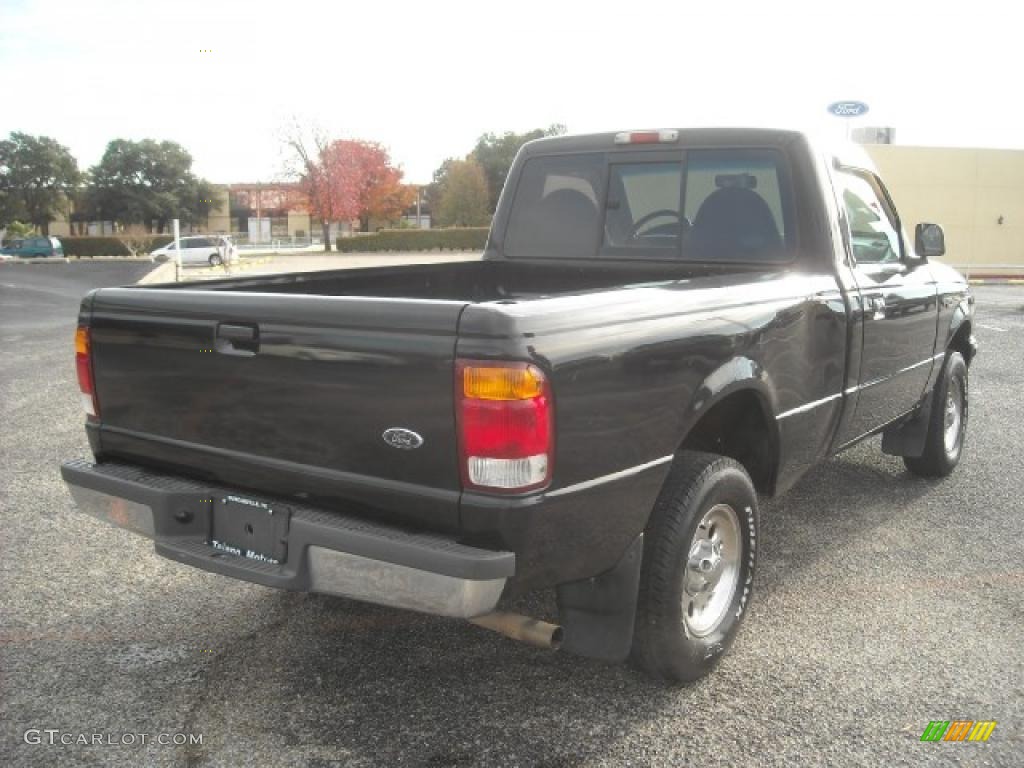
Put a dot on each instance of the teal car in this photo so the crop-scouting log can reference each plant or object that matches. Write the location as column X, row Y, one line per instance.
column 33, row 247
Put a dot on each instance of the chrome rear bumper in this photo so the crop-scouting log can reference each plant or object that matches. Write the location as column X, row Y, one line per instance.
column 327, row 552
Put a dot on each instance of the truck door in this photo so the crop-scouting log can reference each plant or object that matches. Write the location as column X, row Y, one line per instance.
column 896, row 301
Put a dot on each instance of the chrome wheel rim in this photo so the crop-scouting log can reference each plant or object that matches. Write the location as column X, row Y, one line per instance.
column 712, row 570
column 952, row 417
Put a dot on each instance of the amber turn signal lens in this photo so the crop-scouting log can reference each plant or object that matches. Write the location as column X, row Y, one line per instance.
column 505, row 383
column 82, row 341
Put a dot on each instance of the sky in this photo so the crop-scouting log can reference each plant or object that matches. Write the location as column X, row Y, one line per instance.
column 227, row 79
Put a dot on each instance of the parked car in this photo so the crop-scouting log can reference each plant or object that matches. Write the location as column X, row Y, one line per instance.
column 665, row 327
column 202, row 249
column 33, row 247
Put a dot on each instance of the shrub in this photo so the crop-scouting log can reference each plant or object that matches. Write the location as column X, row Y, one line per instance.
column 455, row 239
column 18, row 230
column 87, row 246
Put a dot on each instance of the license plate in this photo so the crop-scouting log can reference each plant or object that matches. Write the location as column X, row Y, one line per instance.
column 250, row 528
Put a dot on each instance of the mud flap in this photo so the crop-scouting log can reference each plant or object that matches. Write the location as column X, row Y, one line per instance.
column 908, row 438
column 597, row 614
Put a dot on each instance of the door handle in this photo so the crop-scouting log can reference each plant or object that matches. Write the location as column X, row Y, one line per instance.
column 875, row 306
column 239, row 340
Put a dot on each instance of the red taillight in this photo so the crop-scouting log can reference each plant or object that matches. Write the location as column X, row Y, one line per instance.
column 83, row 365
column 505, row 419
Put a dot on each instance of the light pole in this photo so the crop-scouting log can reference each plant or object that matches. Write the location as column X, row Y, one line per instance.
column 177, row 251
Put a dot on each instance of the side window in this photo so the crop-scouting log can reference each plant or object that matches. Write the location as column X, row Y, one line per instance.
column 643, row 205
column 737, row 206
column 873, row 226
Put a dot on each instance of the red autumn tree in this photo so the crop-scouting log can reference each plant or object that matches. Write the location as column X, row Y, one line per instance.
column 332, row 178
column 348, row 179
column 384, row 196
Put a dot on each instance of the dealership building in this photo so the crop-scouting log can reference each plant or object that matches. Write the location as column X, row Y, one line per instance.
column 977, row 195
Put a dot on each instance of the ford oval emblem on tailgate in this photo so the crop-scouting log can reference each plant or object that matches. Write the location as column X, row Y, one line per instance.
column 405, row 439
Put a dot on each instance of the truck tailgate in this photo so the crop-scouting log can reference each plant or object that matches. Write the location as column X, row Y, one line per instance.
column 290, row 394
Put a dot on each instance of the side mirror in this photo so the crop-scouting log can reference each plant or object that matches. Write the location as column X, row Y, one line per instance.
column 929, row 241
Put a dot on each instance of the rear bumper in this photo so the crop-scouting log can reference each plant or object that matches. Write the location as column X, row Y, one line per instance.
column 327, row 552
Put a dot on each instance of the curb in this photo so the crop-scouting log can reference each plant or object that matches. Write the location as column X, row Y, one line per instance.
column 86, row 259
column 162, row 273
column 72, row 259
column 220, row 272
column 36, row 260
column 996, row 281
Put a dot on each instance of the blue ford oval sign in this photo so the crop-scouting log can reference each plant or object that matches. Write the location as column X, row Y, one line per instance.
column 848, row 108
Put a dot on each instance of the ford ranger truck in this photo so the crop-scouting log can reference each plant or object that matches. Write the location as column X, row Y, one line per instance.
column 665, row 327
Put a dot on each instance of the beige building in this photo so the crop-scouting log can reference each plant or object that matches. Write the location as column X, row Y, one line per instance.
column 219, row 219
column 977, row 195
column 217, row 222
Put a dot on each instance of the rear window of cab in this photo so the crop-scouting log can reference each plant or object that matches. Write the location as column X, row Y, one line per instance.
column 702, row 205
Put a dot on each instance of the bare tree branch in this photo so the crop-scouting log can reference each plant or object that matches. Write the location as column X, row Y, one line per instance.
column 136, row 239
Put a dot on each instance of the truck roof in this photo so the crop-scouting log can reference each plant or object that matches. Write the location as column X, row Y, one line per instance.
column 846, row 152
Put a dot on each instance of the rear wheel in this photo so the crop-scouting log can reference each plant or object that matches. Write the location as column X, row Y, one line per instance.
column 947, row 425
column 698, row 567
column 215, row 260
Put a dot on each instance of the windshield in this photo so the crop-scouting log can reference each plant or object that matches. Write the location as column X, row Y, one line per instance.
column 701, row 205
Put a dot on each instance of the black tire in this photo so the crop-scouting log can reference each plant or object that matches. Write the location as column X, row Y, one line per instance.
column 665, row 643
column 215, row 260
column 939, row 458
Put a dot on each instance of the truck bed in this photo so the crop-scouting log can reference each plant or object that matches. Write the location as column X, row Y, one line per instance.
column 284, row 384
column 467, row 281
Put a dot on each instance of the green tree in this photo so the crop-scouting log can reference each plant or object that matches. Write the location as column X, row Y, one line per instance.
column 432, row 191
column 36, row 175
column 463, row 196
column 495, row 154
column 140, row 182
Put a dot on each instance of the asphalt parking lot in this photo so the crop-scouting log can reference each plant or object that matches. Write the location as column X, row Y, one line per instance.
column 882, row 602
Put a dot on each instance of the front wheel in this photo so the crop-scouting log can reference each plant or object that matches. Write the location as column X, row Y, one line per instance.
column 215, row 260
column 698, row 567
column 947, row 424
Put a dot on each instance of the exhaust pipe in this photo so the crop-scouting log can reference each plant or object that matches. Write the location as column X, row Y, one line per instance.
column 522, row 628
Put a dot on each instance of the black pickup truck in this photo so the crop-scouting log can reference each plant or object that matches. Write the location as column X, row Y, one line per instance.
column 665, row 325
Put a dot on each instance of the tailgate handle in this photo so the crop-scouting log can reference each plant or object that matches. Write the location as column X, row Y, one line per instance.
column 241, row 340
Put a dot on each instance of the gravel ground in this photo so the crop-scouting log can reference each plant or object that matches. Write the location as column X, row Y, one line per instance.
column 882, row 602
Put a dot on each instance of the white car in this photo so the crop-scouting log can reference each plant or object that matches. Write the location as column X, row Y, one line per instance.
column 201, row 249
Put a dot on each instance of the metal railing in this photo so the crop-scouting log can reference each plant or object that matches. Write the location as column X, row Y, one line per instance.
column 278, row 243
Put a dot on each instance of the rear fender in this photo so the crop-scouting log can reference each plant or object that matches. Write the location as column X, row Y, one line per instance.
column 738, row 375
